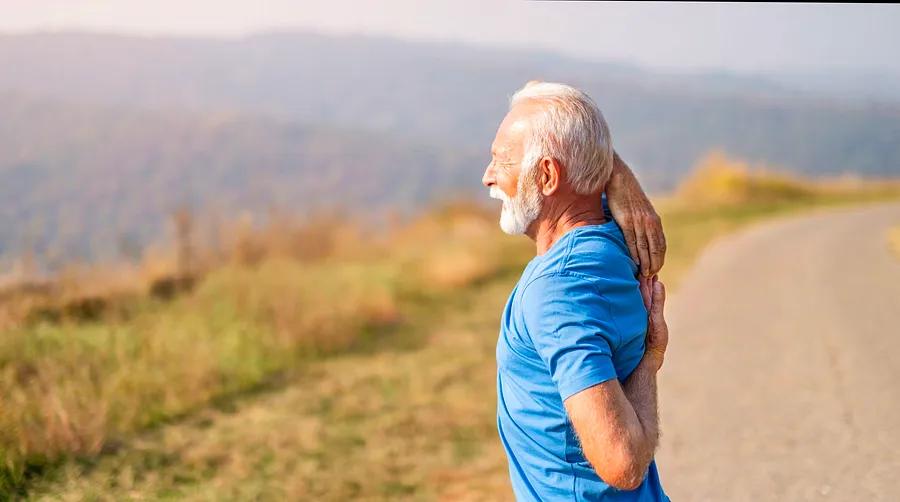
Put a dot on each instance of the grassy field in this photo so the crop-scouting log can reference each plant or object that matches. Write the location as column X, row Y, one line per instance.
column 367, row 377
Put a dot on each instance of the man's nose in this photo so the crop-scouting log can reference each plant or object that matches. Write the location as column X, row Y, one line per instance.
column 488, row 178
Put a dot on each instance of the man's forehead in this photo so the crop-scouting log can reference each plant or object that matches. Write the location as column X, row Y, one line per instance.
column 514, row 126
column 519, row 117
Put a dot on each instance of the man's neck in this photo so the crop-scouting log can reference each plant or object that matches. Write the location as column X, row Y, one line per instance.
column 557, row 219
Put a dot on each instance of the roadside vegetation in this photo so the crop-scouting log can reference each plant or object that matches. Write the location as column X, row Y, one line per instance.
column 725, row 193
column 305, row 361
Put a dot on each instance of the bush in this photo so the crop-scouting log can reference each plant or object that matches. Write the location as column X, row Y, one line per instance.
column 719, row 180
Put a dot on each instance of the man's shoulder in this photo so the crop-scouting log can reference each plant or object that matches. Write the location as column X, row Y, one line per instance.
column 590, row 258
column 599, row 252
column 555, row 281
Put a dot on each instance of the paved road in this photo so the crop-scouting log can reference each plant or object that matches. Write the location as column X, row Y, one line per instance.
column 783, row 378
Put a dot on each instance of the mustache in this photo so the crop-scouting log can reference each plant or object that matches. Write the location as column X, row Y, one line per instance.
column 496, row 193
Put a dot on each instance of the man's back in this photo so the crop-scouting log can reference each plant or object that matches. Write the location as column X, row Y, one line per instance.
column 575, row 319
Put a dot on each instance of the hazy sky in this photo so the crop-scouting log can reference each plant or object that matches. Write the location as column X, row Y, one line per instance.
column 744, row 37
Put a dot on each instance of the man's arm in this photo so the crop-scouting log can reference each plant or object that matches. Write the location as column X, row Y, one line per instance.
column 618, row 424
column 636, row 216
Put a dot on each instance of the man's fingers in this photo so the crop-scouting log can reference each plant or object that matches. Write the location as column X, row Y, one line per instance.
column 658, row 301
column 658, row 333
column 643, row 248
column 646, row 291
column 628, row 232
column 657, row 241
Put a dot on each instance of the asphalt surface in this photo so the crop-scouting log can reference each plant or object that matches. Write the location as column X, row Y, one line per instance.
column 782, row 379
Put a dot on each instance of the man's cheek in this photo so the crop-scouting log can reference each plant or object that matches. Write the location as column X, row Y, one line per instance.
column 509, row 188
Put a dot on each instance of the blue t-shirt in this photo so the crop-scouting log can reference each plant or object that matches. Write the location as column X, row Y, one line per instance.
column 574, row 320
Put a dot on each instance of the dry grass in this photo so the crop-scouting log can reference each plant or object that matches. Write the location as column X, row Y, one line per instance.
column 724, row 194
column 722, row 181
column 74, row 388
column 325, row 235
column 100, row 291
column 77, row 387
column 395, row 424
column 454, row 248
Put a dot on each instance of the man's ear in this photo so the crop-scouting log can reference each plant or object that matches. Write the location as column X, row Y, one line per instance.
column 551, row 173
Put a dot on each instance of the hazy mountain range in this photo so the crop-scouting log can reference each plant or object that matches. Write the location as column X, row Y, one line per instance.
column 102, row 135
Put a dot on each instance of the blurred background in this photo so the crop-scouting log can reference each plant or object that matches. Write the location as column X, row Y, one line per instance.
column 245, row 252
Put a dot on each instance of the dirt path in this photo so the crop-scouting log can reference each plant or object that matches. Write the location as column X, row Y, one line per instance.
column 783, row 379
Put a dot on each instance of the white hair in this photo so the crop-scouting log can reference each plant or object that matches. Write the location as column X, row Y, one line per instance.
column 571, row 130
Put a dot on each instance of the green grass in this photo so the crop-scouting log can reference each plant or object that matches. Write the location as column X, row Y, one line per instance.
column 330, row 380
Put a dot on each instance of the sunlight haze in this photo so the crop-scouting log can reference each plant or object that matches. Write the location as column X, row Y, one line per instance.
column 675, row 37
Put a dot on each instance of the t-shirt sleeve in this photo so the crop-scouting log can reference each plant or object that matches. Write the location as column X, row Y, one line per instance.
column 571, row 328
column 604, row 202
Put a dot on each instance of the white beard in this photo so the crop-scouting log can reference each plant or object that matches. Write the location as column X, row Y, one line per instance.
column 520, row 211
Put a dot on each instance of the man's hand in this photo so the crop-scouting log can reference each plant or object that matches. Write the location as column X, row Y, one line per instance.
column 654, row 293
column 633, row 212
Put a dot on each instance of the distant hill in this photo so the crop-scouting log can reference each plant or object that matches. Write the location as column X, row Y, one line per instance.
column 859, row 85
column 453, row 94
column 80, row 180
column 102, row 133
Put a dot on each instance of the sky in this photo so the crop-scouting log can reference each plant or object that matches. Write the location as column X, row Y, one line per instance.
column 674, row 36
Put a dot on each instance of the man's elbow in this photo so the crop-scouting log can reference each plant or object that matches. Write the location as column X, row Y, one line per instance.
column 624, row 472
column 628, row 479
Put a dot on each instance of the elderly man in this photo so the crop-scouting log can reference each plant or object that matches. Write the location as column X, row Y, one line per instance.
column 577, row 356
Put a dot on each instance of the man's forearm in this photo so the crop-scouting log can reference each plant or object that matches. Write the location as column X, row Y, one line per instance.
column 640, row 389
column 617, row 424
column 620, row 175
column 640, row 224
column 619, row 167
